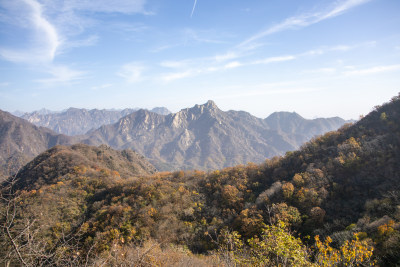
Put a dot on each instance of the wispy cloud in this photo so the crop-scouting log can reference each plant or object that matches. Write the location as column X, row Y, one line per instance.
column 46, row 40
column 304, row 20
column 132, row 72
column 89, row 41
column 226, row 56
column 233, row 64
column 275, row 59
column 194, row 7
column 52, row 26
column 193, row 67
column 103, row 86
column 61, row 74
column 128, row 28
column 373, row 70
column 235, row 56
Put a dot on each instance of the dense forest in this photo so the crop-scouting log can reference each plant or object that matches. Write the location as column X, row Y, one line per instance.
column 334, row 202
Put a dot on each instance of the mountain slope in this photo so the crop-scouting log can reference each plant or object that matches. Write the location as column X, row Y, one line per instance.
column 301, row 130
column 75, row 121
column 204, row 137
column 20, row 141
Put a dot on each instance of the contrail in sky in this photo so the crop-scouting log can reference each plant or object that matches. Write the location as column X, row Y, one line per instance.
column 194, row 6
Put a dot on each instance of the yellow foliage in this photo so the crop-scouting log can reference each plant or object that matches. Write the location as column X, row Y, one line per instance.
column 351, row 253
column 287, row 190
column 386, row 229
column 298, row 180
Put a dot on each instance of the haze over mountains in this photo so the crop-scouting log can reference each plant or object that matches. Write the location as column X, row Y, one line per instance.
column 202, row 137
column 74, row 121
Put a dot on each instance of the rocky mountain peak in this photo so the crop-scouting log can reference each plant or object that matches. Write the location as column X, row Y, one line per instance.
column 210, row 105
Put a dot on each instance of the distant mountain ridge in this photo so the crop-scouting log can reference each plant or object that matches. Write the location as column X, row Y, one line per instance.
column 74, row 121
column 205, row 137
column 300, row 129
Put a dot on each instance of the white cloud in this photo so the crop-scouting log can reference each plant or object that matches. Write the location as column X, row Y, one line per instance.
column 305, row 20
column 341, row 48
column 89, row 41
column 338, row 48
column 46, row 40
column 226, row 56
column 233, row 64
column 341, row 8
column 274, row 59
column 61, row 74
column 373, row 70
column 132, row 72
column 52, row 26
column 192, row 67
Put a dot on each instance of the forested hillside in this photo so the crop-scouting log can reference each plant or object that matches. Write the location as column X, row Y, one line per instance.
column 334, row 202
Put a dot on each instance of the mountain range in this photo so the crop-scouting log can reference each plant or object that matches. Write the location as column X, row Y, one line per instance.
column 74, row 121
column 202, row 137
column 205, row 137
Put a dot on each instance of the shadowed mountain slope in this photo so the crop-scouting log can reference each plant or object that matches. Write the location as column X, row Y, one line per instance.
column 20, row 141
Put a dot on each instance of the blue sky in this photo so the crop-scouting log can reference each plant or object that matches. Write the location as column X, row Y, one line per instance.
column 316, row 57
